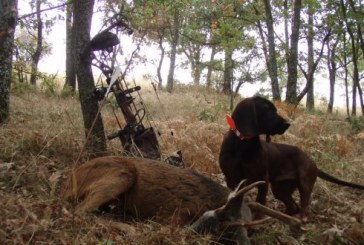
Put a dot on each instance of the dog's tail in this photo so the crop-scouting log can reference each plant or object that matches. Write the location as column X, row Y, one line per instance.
column 335, row 180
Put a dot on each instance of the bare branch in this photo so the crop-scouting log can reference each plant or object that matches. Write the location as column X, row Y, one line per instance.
column 44, row 10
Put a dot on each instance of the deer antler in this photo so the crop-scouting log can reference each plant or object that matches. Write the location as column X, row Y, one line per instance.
column 248, row 188
column 233, row 199
column 257, row 207
column 250, row 223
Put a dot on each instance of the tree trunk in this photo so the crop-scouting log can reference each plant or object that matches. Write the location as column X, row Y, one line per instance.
column 354, row 58
column 332, row 67
column 272, row 60
column 82, row 14
column 310, row 98
column 196, row 64
column 70, row 68
column 159, row 74
column 286, row 36
column 358, row 26
column 39, row 48
column 345, row 62
column 174, row 43
column 228, row 73
column 291, row 93
column 361, row 99
column 8, row 18
column 312, row 65
column 210, row 66
column 355, row 71
column 361, row 44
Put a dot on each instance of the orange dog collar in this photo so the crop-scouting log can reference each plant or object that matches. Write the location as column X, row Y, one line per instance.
column 232, row 125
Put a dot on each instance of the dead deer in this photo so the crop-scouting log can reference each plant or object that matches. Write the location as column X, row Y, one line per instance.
column 146, row 189
column 229, row 223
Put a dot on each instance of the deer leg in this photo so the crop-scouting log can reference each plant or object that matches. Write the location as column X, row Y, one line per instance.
column 104, row 190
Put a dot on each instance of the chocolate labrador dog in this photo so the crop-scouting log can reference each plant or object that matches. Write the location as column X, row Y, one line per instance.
column 287, row 168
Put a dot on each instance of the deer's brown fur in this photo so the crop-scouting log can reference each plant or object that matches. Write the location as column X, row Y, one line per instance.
column 143, row 188
column 150, row 189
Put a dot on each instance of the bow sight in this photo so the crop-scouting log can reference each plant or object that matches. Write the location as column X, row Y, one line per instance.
column 136, row 139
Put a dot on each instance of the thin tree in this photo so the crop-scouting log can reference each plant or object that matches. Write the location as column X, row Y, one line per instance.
column 312, row 66
column 213, row 46
column 310, row 98
column 271, row 59
column 82, row 17
column 70, row 68
column 8, row 20
column 346, row 72
column 228, row 72
column 160, row 63
column 210, row 66
column 39, row 46
column 354, row 52
column 173, row 43
column 358, row 21
column 193, row 52
column 291, row 93
column 332, row 68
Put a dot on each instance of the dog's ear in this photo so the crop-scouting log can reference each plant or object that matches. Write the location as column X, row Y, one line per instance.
column 245, row 117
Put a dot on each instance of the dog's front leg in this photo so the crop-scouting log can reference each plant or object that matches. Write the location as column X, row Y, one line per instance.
column 261, row 198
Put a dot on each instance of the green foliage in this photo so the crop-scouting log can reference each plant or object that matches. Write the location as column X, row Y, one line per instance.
column 49, row 84
column 357, row 123
column 207, row 115
column 213, row 113
column 20, row 88
column 67, row 91
column 26, row 43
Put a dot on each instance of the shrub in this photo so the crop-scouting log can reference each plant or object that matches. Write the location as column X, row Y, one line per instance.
column 67, row 91
column 213, row 113
column 20, row 88
column 357, row 123
column 49, row 84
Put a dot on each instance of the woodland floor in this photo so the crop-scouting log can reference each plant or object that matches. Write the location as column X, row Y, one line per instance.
column 45, row 135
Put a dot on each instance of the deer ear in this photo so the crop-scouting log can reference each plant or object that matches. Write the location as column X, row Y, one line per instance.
column 245, row 117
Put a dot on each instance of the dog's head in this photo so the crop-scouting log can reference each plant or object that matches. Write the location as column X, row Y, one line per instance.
column 257, row 115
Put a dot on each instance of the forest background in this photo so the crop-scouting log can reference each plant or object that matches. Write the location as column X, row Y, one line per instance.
column 203, row 55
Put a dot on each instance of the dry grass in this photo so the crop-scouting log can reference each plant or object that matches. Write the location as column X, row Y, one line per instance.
column 45, row 135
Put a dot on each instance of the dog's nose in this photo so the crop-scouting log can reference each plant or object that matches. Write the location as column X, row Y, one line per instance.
column 286, row 125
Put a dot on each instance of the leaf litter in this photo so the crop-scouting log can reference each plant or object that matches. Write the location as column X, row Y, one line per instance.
column 36, row 153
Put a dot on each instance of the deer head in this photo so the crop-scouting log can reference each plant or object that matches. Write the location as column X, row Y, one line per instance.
column 229, row 222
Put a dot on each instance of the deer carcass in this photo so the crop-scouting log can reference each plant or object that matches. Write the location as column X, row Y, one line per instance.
column 145, row 189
